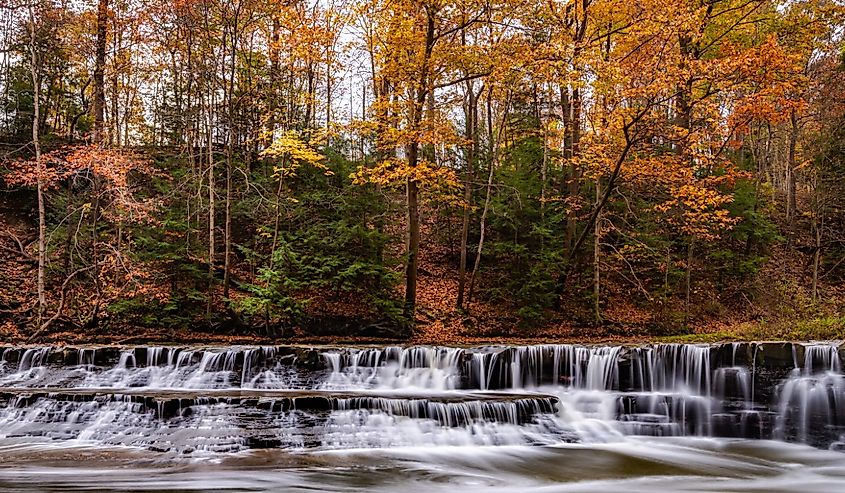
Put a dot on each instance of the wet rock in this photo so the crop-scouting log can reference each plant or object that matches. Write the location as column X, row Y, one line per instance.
column 11, row 355
column 309, row 358
column 779, row 354
column 722, row 390
column 312, row 403
column 725, row 425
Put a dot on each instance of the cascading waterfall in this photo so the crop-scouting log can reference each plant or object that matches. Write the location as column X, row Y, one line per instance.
column 811, row 403
column 420, row 367
column 33, row 358
column 208, row 400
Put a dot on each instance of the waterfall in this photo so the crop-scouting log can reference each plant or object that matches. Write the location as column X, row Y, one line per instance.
column 417, row 367
column 237, row 398
column 33, row 358
column 811, row 405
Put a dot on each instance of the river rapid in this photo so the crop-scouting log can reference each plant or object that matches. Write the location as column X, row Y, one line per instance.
column 765, row 417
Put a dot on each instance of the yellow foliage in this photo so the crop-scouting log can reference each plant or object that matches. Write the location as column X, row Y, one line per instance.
column 294, row 153
column 698, row 211
column 442, row 182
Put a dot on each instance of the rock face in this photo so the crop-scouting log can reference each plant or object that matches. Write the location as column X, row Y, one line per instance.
column 194, row 399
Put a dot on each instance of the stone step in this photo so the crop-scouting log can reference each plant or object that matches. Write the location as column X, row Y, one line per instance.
column 450, row 409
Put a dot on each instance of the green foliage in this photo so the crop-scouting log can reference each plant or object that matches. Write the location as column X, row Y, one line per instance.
column 141, row 311
column 327, row 243
column 829, row 200
column 756, row 230
column 59, row 96
column 272, row 296
column 524, row 252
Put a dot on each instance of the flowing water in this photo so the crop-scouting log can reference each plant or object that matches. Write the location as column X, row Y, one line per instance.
column 733, row 417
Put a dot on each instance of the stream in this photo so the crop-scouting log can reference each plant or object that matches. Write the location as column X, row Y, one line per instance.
column 734, row 417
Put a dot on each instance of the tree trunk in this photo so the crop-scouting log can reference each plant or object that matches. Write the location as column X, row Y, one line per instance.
column 114, row 119
column 591, row 219
column 791, row 207
column 277, row 220
column 566, row 120
column 227, row 229
column 429, row 151
column 544, row 166
column 95, row 250
column 572, row 122
column 817, row 253
column 413, row 245
column 99, row 70
column 471, row 116
column 491, row 137
column 35, row 72
column 274, row 76
column 412, row 187
column 596, row 258
column 211, row 204
column 574, row 182
column 230, row 149
column 329, row 96
column 688, row 282
column 309, row 95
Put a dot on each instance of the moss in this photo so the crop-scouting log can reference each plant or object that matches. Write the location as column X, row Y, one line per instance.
column 820, row 328
column 701, row 338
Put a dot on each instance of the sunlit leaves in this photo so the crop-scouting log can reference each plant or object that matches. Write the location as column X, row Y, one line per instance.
column 293, row 152
column 697, row 212
column 443, row 183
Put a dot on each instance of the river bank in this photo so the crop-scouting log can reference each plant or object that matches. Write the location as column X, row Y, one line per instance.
column 442, row 334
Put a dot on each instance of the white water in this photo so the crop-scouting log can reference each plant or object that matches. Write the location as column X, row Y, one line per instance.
column 432, row 417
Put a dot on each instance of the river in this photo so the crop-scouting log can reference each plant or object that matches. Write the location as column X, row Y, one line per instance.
column 760, row 417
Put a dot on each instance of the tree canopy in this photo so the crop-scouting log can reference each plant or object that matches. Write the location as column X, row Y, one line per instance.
column 486, row 166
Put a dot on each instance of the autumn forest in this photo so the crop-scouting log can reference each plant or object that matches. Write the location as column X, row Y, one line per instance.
column 441, row 170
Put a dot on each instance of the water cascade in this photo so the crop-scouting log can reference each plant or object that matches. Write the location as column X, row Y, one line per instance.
column 200, row 401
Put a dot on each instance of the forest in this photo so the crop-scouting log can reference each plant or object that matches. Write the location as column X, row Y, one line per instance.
column 440, row 170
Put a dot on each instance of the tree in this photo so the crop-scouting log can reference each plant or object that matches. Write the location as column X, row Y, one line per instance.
column 411, row 59
column 99, row 70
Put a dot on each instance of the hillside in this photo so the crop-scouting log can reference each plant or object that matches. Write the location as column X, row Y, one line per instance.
column 431, row 172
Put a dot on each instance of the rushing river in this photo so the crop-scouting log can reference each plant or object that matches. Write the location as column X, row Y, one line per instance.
column 735, row 417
